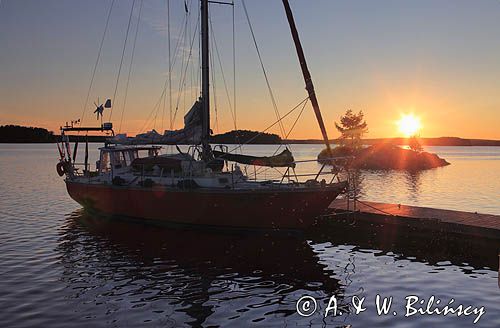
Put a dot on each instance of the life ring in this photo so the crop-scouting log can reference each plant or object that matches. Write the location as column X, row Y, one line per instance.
column 61, row 170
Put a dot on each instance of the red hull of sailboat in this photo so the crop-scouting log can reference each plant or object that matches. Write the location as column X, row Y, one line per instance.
column 283, row 209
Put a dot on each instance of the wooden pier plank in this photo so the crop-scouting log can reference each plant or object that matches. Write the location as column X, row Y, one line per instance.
column 462, row 221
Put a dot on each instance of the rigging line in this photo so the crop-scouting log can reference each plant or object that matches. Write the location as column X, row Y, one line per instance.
column 121, row 60
column 183, row 76
column 231, row 108
column 181, row 80
column 130, row 67
column 169, row 64
column 260, row 170
column 167, row 51
column 198, row 64
column 163, row 93
column 234, row 70
column 293, row 125
column 214, row 87
column 189, row 75
column 194, row 70
column 270, row 126
column 172, row 64
column 152, row 111
column 158, row 103
column 97, row 61
column 214, row 40
column 166, row 79
column 234, row 73
column 177, row 45
column 156, row 107
column 264, row 70
column 186, row 39
column 297, row 119
column 183, row 37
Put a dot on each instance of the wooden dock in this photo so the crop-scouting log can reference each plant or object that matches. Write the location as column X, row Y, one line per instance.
column 480, row 225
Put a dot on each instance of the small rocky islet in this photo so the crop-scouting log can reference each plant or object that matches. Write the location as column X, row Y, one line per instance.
column 385, row 157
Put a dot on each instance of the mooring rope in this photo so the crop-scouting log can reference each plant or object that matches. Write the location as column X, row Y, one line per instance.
column 373, row 207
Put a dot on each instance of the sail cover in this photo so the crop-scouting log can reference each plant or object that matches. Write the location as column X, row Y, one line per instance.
column 190, row 134
column 283, row 159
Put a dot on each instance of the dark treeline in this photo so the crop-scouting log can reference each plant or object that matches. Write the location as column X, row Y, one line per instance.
column 245, row 137
column 23, row 134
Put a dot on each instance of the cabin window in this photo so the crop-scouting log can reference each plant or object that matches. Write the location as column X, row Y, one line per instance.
column 133, row 154
column 104, row 164
column 118, row 160
column 148, row 153
column 127, row 157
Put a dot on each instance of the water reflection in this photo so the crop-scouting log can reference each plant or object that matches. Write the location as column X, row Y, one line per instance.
column 188, row 275
column 413, row 183
column 122, row 272
column 404, row 184
column 430, row 247
column 60, row 271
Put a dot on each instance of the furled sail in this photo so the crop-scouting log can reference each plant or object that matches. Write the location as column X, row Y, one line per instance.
column 283, row 159
column 190, row 134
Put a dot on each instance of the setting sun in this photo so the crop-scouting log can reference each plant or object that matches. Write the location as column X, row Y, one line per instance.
column 409, row 125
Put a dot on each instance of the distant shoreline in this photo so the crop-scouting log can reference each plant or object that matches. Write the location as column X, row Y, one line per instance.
column 18, row 135
column 440, row 141
column 369, row 142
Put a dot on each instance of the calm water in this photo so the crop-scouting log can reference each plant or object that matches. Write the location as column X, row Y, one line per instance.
column 60, row 267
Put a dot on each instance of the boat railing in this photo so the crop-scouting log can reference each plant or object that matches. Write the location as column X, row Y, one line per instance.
column 276, row 177
column 234, row 173
column 83, row 170
column 331, row 169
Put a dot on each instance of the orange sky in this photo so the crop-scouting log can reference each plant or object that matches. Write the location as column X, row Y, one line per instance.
column 439, row 62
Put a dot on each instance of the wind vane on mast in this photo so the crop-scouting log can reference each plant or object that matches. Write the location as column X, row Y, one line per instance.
column 100, row 108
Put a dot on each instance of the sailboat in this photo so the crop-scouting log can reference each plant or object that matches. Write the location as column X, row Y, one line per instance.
column 204, row 185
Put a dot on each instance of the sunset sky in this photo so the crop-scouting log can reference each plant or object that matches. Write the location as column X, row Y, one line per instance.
column 437, row 60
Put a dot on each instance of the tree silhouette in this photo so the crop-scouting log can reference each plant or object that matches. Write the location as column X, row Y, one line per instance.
column 414, row 144
column 352, row 127
column 16, row 133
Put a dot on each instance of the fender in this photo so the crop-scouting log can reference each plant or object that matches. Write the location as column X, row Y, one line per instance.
column 60, row 168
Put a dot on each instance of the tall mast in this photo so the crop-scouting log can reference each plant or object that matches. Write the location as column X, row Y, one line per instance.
column 205, row 80
column 307, row 75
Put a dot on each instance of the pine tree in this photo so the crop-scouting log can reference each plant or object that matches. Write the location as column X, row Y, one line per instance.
column 352, row 128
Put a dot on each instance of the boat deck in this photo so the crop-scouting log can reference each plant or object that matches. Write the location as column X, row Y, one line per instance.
column 481, row 225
